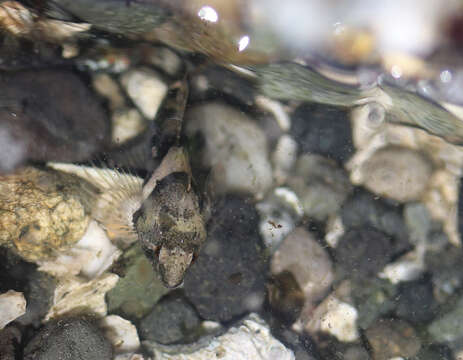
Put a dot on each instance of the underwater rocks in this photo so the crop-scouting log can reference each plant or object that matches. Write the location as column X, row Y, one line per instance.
column 42, row 212
column 49, row 115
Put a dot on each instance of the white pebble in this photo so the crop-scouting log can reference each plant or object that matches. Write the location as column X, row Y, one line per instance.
column 121, row 333
column 12, row 306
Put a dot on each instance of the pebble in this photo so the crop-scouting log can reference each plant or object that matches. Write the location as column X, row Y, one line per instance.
column 335, row 317
column 121, row 333
column 391, row 338
column 435, row 352
column 363, row 252
column 320, row 184
column 126, row 125
column 248, row 340
column 12, row 306
column 171, row 320
column 234, row 147
column 42, row 212
column 397, row 173
column 75, row 296
column 228, row 278
column 49, row 115
column 146, row 89
column 448, row 327
column 90, row 256
column 10, row 339
column 373, row 298
column 108, row 88
column 415, row 301
column 302, row 255
column 164, row 58
column 71, row 338
column 138, row 288
column 363, row 209
column 324, row 130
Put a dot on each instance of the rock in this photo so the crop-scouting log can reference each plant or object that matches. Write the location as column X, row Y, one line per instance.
column 139, row 287
column 320, row 184
column 373, row 298
column 285, row 297
column 448, row 327
column 72, row 338
column 146, row 90
column 249, row 340
column 75, row 296
column 278, row 213
column 234, row 147
column 302, row 346
column 363, row 209
column 284, row 157
column 301, row 255
column 12, row 306
column 42, row 212
column 415, row 301
column 9, row 343
column 227, row 279
column 90, row 256
column 50, row 115
column 107, row 87
column 418, row 221
column 163, row 58
column 434, row 352
column 127, row 124
column 391, row 338
column 356, row 353
column 397, row 173
column 171, row 320
column 121, row 333
column 335, row 317
column 322, row 129
column 39, row 292
column 363, row 252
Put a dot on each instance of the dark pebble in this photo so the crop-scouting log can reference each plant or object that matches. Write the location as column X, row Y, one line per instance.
column 324, row 130
column 48, row 115
column 415, row 301
column 38, row 287
column 363, row 252
column 303, row 347
column 171, row 320
column 10, row 338
column 364, row 209
column 69, row 339
column 434, row 352
column 228, row 278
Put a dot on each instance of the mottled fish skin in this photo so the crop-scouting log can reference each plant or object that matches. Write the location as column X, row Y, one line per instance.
column 171, row 228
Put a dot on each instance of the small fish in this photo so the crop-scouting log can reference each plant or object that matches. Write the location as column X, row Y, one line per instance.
column 164, row 214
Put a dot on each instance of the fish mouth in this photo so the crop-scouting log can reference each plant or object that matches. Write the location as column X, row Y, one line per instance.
column 172, row 265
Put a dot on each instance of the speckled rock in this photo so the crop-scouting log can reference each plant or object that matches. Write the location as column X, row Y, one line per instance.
column 305, row 258
column 170, row 321
column 320, row 184
column 362, row 252
column 68, row 339
column 397, row 173
column 323, row 130
column 139, row 287
column 146, row 90
column 227, row 279
column 249, row 340
column 126, row 125
column 49, row 115
column 234, row 147
column 42, row 212
column 391, row 338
